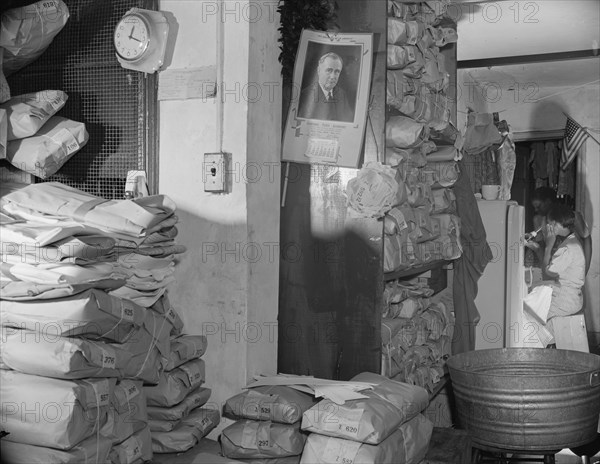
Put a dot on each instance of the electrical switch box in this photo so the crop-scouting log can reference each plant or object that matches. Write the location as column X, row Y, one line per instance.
column 213, row 172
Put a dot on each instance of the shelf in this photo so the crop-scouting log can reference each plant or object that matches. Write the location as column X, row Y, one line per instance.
column 439, row 386
column 414, row 270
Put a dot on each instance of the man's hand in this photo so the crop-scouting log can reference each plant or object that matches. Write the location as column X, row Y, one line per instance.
column 550, row 235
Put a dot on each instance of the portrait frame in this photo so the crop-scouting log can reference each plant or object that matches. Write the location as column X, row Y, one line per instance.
column 327, row 117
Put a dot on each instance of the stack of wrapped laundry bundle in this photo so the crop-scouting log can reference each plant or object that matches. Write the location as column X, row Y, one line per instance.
column 177, row 419
column 416, row 334
column 421, row 141
column 423, row 226
column 76, row 349
column 33, row 138
column 384, row 426
column 27, row 31
column 267, row 427
column 56, row 238
column 72, row 359
column 417, row 78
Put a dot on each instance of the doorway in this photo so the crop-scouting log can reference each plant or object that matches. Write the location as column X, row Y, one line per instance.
column 538, row 165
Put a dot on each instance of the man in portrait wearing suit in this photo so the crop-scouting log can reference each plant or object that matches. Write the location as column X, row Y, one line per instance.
column 325, row 99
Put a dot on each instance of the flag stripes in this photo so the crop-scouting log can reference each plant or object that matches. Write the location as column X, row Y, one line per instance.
column 574, row 137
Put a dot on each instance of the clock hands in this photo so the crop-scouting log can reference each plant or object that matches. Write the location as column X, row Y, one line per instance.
column 131, row 35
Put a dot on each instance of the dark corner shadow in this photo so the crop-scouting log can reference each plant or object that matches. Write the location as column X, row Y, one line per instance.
column 547, row 116
column 327, row 326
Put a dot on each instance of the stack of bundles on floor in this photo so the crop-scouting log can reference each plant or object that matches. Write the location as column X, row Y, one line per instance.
column 178, row 428
column 267, row 427
column 73, row 340
column 384, row 427
column 416, row 334
column 128, row 424
column 91, row 450
column 89, row 334
column 177, row 419
column 60, row 413
column 69, row 238
column 55, row 420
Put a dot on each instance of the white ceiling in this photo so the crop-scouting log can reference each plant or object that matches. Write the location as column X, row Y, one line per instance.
column 509, row 28
column 548, row 74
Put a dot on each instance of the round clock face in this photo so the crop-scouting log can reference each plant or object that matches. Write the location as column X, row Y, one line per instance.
column 132, row 36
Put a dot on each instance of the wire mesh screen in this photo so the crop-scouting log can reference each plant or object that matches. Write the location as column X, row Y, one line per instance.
column 114, row 103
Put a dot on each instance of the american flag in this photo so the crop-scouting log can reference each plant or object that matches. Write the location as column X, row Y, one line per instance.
column 575, row 135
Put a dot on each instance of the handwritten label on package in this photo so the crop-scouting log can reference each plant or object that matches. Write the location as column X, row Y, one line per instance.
column 67, row 140
column 39, row 8
column 127, row 312
column 205, row 424
column 397, row 215
column 171, row 315
column 258, row 405
column 109, row 358
column 345, row 422
column 194, row 373
column 198, row 350
column 131, row 391
column 133, row 450
column 340, row 451
column 101, row 391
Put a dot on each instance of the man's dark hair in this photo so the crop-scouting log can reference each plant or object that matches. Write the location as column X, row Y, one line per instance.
column 562, row 214
column 544, row 194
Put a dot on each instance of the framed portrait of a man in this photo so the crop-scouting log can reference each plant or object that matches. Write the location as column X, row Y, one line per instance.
column 328, row 109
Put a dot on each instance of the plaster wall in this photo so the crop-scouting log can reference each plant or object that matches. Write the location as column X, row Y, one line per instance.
column 469, row 95
column 222, row 290
column 263, row 177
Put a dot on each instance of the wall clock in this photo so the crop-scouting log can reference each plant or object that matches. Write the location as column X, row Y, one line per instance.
column 140, row 40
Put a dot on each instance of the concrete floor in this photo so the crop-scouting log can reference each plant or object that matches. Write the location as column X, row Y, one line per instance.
column 207, row 452
column 567, row 457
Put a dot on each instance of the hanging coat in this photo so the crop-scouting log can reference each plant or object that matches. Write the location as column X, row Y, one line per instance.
column 469, row 267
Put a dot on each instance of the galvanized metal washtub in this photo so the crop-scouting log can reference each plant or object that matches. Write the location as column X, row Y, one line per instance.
column 527, row 399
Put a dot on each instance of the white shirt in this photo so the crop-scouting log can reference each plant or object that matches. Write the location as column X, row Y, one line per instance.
column 568, row 262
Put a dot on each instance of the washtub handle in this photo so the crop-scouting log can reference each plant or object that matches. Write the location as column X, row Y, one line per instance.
column 595, row 379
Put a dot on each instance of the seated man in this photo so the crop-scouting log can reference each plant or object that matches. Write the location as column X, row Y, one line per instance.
column 564, row 267
column 543, row 199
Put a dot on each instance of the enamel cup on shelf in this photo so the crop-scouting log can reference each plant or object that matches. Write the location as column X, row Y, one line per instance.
column 490, row 192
